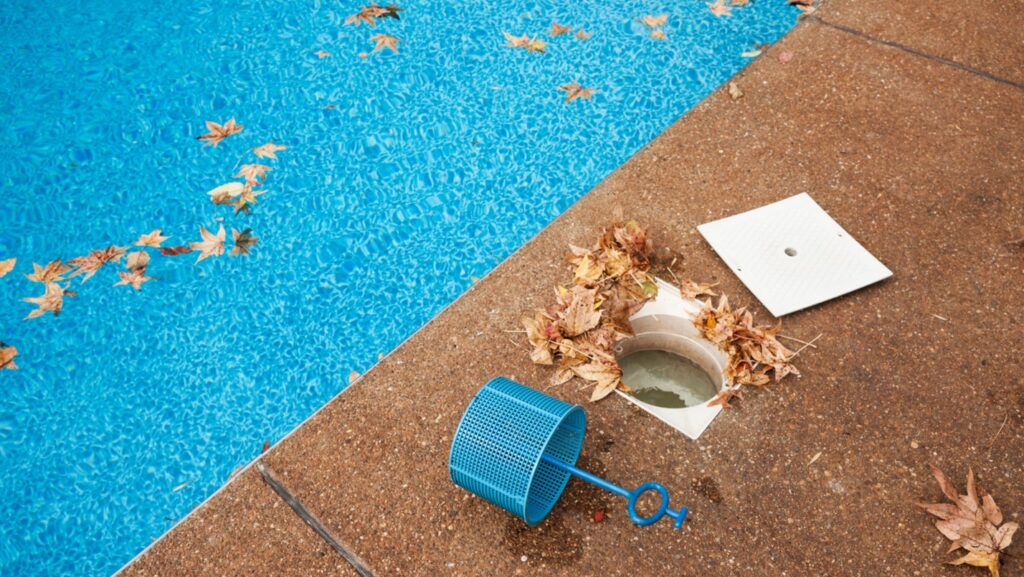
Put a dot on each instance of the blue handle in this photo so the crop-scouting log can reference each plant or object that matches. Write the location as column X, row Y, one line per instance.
column 631, row 496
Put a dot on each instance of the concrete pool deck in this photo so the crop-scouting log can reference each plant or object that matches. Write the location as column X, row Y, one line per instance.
column 907, row 125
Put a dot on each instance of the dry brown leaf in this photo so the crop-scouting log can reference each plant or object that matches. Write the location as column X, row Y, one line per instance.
column 734, row 91
column 218, row 132
column 211, row 245
column 94, row 261
column 7, row 355
column 253, row 173
column 382, row 41
column 7, row 266
column 972, row 522
column 153, row 239
column 582, row 35
column 692, row 290
column 244, row 241
column 654, row 21
column 51, row 301
column 268, row 150
column 574, row 90
column 580, row 314
column 557, row 29
column 719, row 8
column 54, row 271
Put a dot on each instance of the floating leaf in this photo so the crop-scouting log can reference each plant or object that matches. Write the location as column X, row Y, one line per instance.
column 382, row 41
column 321, row 54
column 51, row 301
column 268, row 150
column 94, row 261
column 658, row 34
column 175, row 250
column 582, row 35
column 719, row 8
column 54, row 271
column 211, row 245
column 133, row 278
column 253, row 173
column 751, row 54
column 369, row 14
column 557, row 29
column 7, row 355
column 153, row 239
column 224, row 193
column 243, row 241
column 654, row 21
column 218, row 132
column 516, row 41
column 246, row 199
column 574, row 90
column 7, row 266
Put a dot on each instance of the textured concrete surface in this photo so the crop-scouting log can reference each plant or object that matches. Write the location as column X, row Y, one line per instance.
column 919, row 160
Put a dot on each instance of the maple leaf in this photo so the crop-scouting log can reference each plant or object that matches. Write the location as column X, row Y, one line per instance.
column 243, row 241
column 582, row 35
column 539, row 329
column 218, row 132
column 268, row 150
column 7, row 355
column 391, row 11
column 52, row 272
column 52, row 301
column 367, row 15
column 654, row 21
column 211, row 245
column 719, row 8
column 246, row 199
column 574, row 90
column 133, row 278
column 153, row 239
column 516, row 41
column 658, row 34
column 537, row 45
column 557, row 29
column 692, row 290
column 972, row 521
column 725, row 396
column 94, row 261
column 382, row 41
column 7, row 266
column 175, row 250
column 580, row 314
column 225, row 192
column 253, row 173
column 606, row 375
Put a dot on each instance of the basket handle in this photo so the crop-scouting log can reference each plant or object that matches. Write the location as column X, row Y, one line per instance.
column 631, row 496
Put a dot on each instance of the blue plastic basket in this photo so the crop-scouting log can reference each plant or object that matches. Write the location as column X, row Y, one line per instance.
column 517, row 447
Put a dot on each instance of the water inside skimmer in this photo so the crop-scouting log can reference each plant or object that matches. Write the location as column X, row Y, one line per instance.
column 665, row 379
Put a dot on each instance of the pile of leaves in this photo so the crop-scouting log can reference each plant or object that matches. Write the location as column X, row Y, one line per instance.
column 756, row 357
column 577, row 333
column 972, row 522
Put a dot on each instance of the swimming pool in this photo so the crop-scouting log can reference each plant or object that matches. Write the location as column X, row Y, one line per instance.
column 405, row 175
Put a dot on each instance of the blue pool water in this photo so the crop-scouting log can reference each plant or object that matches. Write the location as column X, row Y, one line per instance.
column 405, row 175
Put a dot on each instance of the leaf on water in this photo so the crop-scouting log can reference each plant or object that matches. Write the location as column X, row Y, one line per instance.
column 51, row 301
column 734, row 91
column 246, row 199
column 658, row 34
column 972, row 521
column 557, row 29
column 719, row 8
column 218, row 132
column 654, row 21
column 243, row 241
column 136, row 264
column 138, row 260
column 7, row 266
column 211, row 245
column 94, row 261
column 254, row 173
column 525, row 42
column 582, row 35
column 739, row 2
column 751, row 54
column 353, row 376
column 268, row 150
column 224, row 193
column 321, row 54
column 7, row 354
column 382, row 41
column 175, row 250
column 153, row 239
column 370, row 14
column 574, row 90
column 54, row 271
